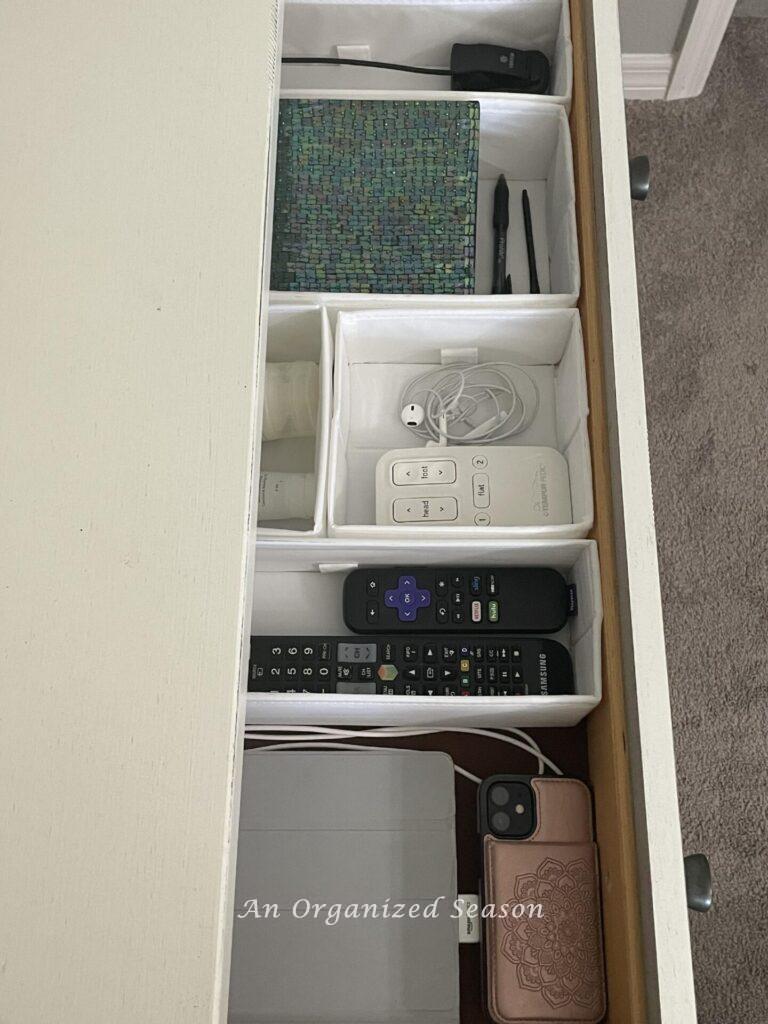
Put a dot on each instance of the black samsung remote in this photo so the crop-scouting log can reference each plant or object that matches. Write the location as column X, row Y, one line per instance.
column 425, row 599
column 427, row 666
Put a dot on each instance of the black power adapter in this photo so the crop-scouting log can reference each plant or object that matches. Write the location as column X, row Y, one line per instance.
column 482, row 67
column 475, row 67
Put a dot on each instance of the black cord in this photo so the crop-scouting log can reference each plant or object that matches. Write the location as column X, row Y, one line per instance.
column 366, row 64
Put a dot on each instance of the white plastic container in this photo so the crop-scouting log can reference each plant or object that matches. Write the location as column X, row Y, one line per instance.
column 378, row 352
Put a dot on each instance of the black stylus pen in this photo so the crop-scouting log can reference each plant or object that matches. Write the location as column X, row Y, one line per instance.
column 532, row 275
column 502, row 282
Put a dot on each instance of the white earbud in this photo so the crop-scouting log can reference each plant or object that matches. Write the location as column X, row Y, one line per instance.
column 412, row 415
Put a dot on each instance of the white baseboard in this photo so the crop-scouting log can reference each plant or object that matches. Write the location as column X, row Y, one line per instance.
column 646, row 75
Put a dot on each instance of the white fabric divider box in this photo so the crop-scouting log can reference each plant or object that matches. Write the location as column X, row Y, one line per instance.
column 298, row 591
column 420, row 33
column 530, row 144
column 378, row 353
column 297, row 333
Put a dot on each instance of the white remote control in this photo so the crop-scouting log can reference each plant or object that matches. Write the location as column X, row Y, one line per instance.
column 493, row 485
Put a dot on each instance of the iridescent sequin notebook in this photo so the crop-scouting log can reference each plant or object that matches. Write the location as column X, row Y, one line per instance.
column 376, row 196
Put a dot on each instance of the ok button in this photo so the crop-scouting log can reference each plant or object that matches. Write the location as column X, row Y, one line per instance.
column 407, row 598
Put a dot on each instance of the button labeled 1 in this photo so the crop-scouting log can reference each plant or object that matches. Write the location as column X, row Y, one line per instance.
column 437, row 471
column 425, row 510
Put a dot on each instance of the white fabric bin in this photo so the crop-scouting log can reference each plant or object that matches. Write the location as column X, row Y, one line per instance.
column 420, row 33
column 293, row 334
column 297, row 592
column 378, row 352
column 531, row 145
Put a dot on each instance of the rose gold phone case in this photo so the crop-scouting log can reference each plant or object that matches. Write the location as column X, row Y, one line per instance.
column 546, row 969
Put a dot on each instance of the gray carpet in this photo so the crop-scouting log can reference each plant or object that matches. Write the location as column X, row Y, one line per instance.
column 702, row 249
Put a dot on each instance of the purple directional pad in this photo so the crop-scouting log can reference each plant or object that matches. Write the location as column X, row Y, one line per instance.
column 407, row 598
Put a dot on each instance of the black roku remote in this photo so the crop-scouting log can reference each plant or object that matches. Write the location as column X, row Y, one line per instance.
column 425, row 599
column 424, row 666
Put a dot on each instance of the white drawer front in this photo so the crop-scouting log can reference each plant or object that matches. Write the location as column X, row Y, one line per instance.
column 657, row 822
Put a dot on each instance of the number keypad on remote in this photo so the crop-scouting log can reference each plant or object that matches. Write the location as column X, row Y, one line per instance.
column 424, row 666
column 422, row 599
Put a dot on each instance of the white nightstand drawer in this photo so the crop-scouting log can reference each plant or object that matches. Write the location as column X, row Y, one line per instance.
column 137, row 223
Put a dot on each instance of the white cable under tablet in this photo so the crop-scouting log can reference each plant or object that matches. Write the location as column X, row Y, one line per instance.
column 287, row 737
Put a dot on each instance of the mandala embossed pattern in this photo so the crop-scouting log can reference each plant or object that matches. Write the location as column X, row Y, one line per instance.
column 557, row 954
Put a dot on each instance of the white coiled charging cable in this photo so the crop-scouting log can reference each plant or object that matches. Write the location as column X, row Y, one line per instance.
column 438, row 402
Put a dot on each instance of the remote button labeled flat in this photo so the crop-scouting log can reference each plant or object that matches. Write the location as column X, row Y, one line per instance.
column 425, row 510
column 427, row 471
column 481, row 490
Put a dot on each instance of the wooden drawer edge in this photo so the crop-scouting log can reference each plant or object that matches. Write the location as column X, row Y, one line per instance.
column 647, row 942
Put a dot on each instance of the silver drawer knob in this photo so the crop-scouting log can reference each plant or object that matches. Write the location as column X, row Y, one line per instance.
column 698, row 882
column 639, row 177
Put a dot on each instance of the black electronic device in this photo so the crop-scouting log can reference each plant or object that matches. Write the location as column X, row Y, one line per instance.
column 424, row 666
column 475, row 67
column 426, row 599
column 483, row 67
